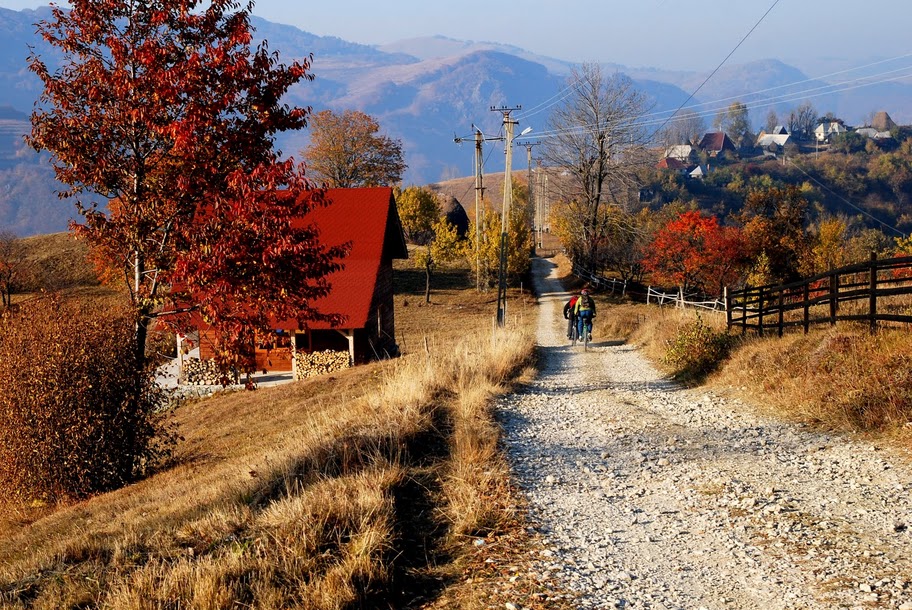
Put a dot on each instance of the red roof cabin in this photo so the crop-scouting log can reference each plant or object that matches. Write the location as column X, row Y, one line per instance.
column 362, row 291
column 715, row 143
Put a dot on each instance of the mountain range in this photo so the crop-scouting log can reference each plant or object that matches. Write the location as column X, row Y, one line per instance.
column 424, row 91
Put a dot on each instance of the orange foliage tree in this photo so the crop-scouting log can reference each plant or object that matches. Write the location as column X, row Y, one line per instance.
column 346, row 150
column 774, row 222
column 165, row 110
column 696, row 253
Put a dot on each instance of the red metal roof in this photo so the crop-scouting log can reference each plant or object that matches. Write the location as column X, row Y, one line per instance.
column 716, row 141
column 672, row 163
column 367, row 218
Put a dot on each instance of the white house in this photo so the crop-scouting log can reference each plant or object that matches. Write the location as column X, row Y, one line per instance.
column 824, row 130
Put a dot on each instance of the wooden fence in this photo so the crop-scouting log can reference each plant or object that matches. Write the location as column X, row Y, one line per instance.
column 602, row 283
column 867, row 292
column 679, row 299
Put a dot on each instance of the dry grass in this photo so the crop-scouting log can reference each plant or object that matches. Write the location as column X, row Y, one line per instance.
column 841, row 378
column 354, row 490
column 58, row 262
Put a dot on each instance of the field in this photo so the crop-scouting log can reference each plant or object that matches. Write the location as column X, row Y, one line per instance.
column 362, row 489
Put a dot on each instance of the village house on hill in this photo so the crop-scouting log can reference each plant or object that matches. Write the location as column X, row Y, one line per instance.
column 716, row 143
column 362, row 291
column 772, row 143
column 826, row 129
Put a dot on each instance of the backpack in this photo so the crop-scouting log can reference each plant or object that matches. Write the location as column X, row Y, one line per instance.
column 585, row 302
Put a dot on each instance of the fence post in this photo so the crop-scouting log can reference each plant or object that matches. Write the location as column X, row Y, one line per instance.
column 873, row 289
column 624, row 289
column 744, row 311
column 760, row 310
column 834, row 298
column 807, row 307
column 648, row 293
column 728, row 311
column 680, row 297
column 781, row 312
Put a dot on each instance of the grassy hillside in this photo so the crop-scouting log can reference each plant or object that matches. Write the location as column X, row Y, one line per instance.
column 364, row 489
column 58, row 262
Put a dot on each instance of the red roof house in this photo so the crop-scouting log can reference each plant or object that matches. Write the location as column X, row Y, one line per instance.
column 361, row 292
column 673, row 164
column 715, row 143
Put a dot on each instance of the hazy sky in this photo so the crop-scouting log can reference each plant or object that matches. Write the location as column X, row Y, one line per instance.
column 678, row 34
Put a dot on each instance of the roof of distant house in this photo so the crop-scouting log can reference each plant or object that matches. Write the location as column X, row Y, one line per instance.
column 772, row 138
column 716, row 141
column 672, row 163
column 679, row 151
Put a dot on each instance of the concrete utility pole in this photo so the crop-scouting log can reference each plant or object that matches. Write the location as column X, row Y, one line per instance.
column 509, row 124
column 531, row 199
column 540, row 203
column 479, row 195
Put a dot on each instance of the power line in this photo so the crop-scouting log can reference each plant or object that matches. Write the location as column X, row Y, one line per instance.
column 803, row 95
column 844, row 200
column 713, row 73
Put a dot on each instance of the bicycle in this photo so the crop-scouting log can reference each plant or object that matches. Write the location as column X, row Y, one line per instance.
column 587, row 332
column 574, row 335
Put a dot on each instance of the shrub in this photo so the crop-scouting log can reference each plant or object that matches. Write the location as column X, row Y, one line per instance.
column 697, row 350
column 77, row 413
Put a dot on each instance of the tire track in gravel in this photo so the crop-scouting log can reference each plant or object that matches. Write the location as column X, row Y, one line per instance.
column 653, row 496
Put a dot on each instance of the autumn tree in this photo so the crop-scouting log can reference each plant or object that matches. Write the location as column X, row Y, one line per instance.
column 346, row 150
column 828, row 247
column 774, row 222
column 735, row 121
column 419, row 209
column 166, row 111
column 12, row 264
column 596, row 140
column 895, row 171
column 694, row 252
column 423, row 223
column 482, row 249
column 443, row 247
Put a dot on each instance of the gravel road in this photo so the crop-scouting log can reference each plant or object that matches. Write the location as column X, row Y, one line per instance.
column 653, row 496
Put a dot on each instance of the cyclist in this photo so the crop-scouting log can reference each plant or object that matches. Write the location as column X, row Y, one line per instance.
column 570, row 315
column 585, row 313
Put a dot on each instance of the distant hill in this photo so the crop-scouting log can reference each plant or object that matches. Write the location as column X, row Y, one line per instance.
column 424, row 90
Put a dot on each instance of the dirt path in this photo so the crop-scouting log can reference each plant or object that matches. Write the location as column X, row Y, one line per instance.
column 653, row 496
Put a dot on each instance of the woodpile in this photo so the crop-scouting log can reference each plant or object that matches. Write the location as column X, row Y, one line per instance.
column 205, row 372
column 320, row 363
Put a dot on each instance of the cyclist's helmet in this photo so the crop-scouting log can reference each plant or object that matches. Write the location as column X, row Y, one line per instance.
column 584, row 291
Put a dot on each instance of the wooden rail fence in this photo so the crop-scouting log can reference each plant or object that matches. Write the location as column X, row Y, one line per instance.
column 867, row 292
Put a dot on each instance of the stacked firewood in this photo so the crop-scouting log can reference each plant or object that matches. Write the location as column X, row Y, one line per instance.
column 320, row 363
column 205, row 372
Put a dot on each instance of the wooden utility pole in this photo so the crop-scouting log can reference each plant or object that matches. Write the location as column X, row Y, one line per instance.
column 479, row 195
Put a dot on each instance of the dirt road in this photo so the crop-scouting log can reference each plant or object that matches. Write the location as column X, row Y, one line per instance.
column 654, row 496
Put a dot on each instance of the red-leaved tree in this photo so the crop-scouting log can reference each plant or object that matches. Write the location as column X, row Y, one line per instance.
column 166, row 111
column 696, row 253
